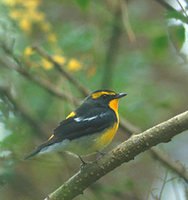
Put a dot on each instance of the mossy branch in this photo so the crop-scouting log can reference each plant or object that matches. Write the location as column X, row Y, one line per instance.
column 124, row 152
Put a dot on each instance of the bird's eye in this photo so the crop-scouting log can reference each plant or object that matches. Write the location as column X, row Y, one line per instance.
column 104, row 96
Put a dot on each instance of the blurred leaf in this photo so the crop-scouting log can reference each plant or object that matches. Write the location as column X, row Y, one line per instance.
column 7, row 36
column 5, row 107
column 6, row 171
column 164, row 103
column 83, row 3
column 160, row 44
column 176, row 15
column 77, row 40
column 80, row 30
column 128, row 184
column 177, row 36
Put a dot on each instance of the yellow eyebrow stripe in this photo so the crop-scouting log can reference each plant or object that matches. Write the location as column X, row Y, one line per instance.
column 72, row 114
column 98, row 94
column 51, row 137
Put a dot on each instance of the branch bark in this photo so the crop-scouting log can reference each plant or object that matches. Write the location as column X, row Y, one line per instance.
column 124, row 152
column 177, row 168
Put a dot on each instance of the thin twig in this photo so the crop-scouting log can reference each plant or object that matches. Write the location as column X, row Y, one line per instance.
column 62, row 70
column 183, row 9
column 125, row 17
column 176, row 190
column 163, row 185
column 42, row 82
column 178, row 168
column 153, row 196
column 23, row 111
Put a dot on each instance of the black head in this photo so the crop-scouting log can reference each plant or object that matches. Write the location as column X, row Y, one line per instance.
column 104, row 97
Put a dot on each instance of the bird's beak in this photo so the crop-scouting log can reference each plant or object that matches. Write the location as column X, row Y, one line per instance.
column 120, row 95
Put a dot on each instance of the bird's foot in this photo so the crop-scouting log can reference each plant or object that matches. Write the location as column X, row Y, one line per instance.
column 83, row 162
column 101, row 154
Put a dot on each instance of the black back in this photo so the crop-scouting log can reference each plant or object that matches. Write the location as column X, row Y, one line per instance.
column 89, row 119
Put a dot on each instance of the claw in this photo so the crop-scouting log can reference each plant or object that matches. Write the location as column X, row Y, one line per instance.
column 83, row 162
column 101, row 153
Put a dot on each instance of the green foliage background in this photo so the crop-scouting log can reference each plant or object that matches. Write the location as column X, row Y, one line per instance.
column 150, row 69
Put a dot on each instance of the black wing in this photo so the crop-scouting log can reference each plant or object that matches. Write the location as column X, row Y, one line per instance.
column 86, row 121
column 91, row 121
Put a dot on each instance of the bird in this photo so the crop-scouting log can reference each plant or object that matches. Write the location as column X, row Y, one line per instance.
column 88, row 129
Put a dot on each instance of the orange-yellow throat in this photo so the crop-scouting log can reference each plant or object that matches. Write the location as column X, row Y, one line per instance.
column 107, row 137
column 114, row 106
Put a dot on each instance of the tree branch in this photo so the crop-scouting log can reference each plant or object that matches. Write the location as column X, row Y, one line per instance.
column 63, row 71
column 125, row 19
column 177, row 168
column 124, row 152
column 42, row 82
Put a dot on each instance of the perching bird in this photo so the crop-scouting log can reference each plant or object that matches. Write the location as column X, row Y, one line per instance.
column 88, row 129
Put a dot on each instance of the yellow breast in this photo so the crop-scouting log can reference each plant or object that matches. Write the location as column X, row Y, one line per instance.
column 107, row 137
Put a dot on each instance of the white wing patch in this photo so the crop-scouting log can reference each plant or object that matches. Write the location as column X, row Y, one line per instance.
column 81, row 119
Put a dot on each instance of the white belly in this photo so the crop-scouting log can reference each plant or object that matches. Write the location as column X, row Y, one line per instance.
column 85, row 145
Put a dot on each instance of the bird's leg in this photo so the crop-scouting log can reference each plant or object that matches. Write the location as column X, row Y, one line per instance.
column 83, row 162
column 101, row 154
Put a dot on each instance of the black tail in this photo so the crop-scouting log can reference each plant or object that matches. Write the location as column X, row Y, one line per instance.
column 36, row 151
